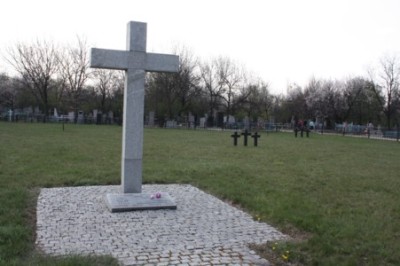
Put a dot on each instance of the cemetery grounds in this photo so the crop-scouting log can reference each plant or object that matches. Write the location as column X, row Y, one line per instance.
column 337, row 197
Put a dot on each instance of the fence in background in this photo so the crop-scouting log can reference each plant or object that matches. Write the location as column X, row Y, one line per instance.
column 367, row 131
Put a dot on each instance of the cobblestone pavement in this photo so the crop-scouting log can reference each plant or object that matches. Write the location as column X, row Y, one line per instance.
column 202, row 231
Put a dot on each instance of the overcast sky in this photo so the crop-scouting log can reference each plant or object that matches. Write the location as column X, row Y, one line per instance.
column 281, row 41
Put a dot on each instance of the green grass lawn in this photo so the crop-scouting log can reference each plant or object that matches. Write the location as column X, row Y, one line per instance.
column 339, row 195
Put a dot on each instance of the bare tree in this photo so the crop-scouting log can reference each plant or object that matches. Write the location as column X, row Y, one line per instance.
column 266, row 100
column 74, row 72
column 187, row 78
column 254, row 99
column 117, row 96
column 323, row 99
column 7, row 93
column 360, row 103
column 106, row 83
column 232, row 77
column 313, row 101
column 353, row 89
column 37, row 63
column 295, row 103
column 388, row 80
column 162, row 89
column 213, row 85
column 172, row 94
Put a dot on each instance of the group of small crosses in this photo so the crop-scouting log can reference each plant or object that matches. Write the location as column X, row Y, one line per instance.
column 245, row 134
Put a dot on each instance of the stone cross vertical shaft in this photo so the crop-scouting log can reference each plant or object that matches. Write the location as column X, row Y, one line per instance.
column 136, row 62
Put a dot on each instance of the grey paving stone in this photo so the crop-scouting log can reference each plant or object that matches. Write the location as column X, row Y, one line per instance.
column 203, row 229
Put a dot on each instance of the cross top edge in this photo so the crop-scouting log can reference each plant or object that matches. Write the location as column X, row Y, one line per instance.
column 136, row 36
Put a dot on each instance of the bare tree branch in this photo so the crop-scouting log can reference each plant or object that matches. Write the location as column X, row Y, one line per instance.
column 37, row 63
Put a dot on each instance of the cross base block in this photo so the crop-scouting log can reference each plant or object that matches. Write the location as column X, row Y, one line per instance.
column 138, row 201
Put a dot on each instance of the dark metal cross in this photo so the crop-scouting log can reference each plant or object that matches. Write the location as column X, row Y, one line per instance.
column 235, row 137
column 245, row 135
column 255, row 137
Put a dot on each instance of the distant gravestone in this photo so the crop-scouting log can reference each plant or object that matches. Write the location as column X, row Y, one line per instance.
column 191, row 120
column 97, row 116
column 202, row 122
column 110, row 117
column 246, row 123
column 135, row 61
column 151, row 119
column 28, row 110
column 71, row 116
column 10, row 115
column 171, row 124
column 80, row 118
column 229, row 119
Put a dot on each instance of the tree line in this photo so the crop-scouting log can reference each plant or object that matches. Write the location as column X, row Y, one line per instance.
column 51, row 76
column 54, row 76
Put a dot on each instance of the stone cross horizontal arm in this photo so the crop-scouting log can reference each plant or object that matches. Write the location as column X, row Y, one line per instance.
column 124, row 60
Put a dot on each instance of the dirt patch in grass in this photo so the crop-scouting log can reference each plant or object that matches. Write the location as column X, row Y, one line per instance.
column 285, row 252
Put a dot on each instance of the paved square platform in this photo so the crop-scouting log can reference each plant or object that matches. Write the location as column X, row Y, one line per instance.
column 203, row 230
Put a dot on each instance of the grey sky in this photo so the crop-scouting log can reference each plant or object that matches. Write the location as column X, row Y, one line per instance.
column 280, row 41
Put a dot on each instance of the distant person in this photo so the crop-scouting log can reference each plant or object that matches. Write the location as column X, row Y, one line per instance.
column 296, row 128
column 370, row 128
column 344, row 128
column 301, row 127
column 306, row 128
column 311, row 125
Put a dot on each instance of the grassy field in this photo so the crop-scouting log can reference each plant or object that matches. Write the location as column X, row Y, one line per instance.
column 337, row 196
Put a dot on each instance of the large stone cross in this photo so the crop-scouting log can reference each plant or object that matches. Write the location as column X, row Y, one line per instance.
column 136, row 62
